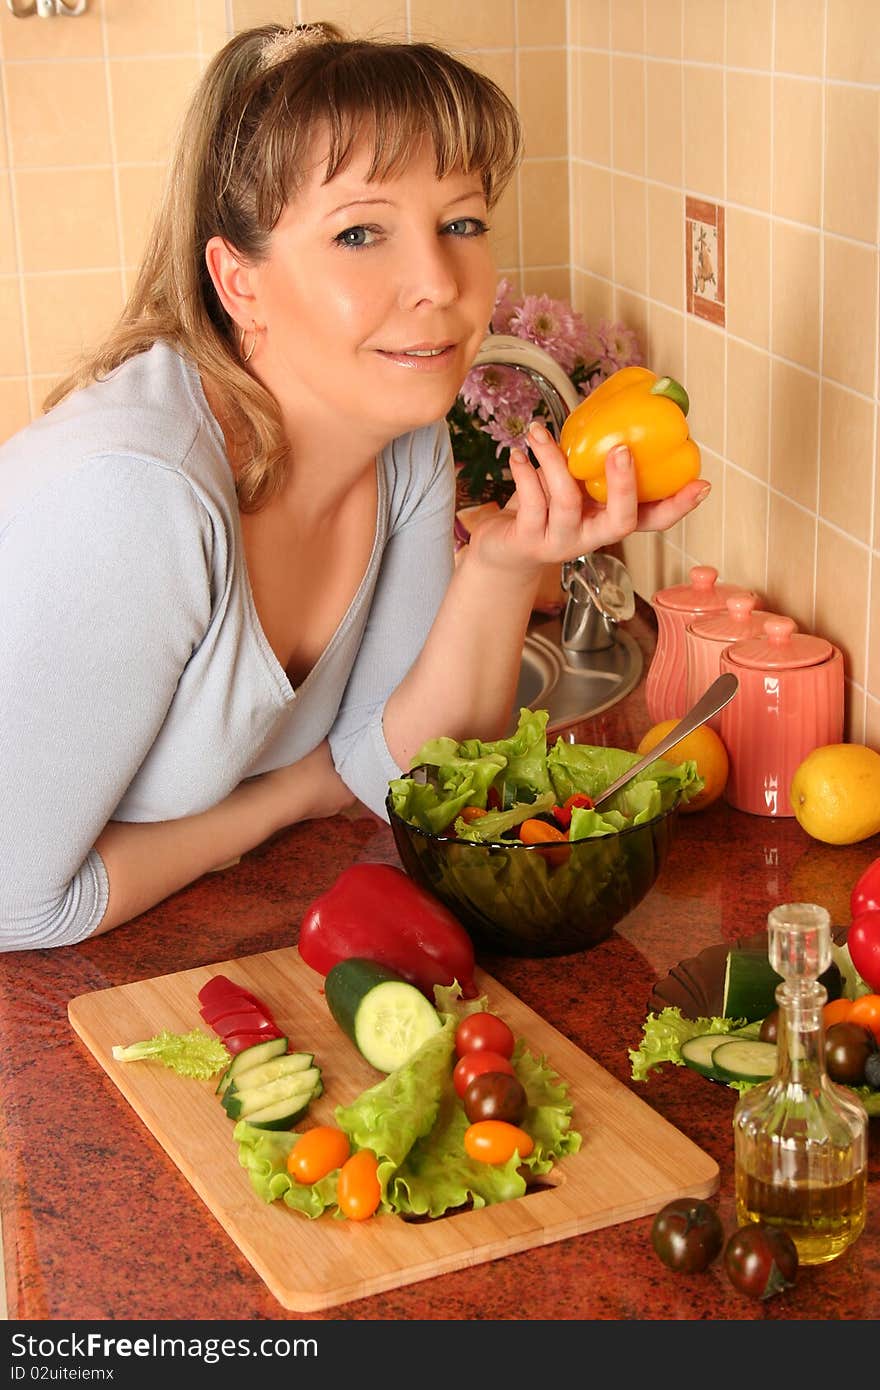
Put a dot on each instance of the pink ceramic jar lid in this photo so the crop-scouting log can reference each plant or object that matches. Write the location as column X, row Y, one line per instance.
column 741, row 619
column 783, row 648
column 702, row 595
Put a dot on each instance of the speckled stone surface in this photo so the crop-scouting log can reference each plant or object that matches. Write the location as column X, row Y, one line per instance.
column 99, row 1224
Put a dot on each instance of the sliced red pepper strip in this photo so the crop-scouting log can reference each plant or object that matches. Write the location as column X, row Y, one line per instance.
column 243, row 1021
column 221, row 987
column 234, row 1004
column 563, row 813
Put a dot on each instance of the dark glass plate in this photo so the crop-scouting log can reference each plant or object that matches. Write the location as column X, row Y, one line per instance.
column 696, row 984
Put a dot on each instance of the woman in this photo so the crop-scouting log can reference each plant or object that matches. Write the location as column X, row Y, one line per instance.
column 226, row 549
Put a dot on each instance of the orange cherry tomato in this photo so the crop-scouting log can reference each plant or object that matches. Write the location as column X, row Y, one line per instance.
column 474, row 1063
column 358, row 1192
column 495, row 1141
column 837, row 1011
column 316, row 1153
column 541, row 832
column 472, row 813
column 866, row 1011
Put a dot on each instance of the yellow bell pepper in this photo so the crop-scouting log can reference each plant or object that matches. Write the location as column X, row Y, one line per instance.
column 635, row 407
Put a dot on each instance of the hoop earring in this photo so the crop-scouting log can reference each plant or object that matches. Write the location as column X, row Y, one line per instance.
column 246, row 356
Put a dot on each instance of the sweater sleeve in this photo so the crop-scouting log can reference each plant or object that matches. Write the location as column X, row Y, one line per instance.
column 416, row 569
column 105, row 589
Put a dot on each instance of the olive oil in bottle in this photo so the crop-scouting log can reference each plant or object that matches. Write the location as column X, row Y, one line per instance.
column 800, row 1139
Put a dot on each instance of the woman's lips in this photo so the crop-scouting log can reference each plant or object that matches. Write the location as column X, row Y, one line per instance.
column 423, row 358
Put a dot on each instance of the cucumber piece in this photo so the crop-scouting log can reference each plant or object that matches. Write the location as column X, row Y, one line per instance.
column 750, row 984
column 301, row 1086
column 287, row 1065
column 251, row 1057
column 282, row 1115
column 697, row 1053
column 385, row 1016
column 744, row 1059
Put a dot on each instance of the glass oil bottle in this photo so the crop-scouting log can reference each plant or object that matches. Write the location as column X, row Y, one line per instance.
column 800, row 1139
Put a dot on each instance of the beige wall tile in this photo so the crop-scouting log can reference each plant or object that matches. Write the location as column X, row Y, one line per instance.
column 797, row 147
column 748, row 408
column 750, row 34
column 873, row 667
column 36, row 40
column 705, row 384
column 551, row 280
column 632, row 311
column 664, row 346
column 460, row 21
column 592, row 296
column 544, row 186
column 800, row 36
column 854, row 700
column 499, row 64
column 12, row 358
column 539, row 22
column 163, row 26
column 849, row 338
column 872, row 723
column 628, row 26
column 67, row 219
column 504, row 234
column 746, row 509
column 630, row 233
column 842, row 576
column 704, row 132
column 590, row 22
column 67, row 315
column 704, row 31
column 852, row 151
column 140, row 188
column 701, row 531
column 749, row 100
column 213, row 29
column 791, row 546
column 663, row 25
column 57, row 113
column 846, row 469
column 247, row 14
column 359, row 18
column 747, row 252
column 665, row 122
column 591, row 106
column 592, row 220
column 14, row 406
column 162, row 86
column 543, row 102
column 853, row 40
column 794, row 433
column 8, row 254
column 796, row 290
column 666, row 253
column 628, row 114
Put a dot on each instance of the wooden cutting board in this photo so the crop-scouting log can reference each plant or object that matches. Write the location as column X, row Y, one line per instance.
column 630, row 1164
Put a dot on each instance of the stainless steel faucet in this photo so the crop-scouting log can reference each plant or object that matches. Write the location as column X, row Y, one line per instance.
column 597, row 599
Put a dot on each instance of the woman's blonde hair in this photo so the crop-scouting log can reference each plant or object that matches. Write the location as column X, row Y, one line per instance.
column 241, row 155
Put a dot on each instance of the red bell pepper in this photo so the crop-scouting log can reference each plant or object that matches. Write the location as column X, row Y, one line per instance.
column 377, row 912
column 563, row 813
column 865, row 895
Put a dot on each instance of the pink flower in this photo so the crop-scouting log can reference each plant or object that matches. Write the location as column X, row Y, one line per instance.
column 553, row 325
column 505, row 305
column 613, row 345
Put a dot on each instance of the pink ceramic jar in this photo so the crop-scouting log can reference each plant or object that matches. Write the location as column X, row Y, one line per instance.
column 666, row 681
column 706, row 638
column 789, row 701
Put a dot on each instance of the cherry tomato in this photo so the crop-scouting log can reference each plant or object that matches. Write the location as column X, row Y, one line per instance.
column 495, row 1141
column 473, row 1063
column 541, row 832
column 316, row 1153
column 847, row 1048
column 493, row 1095
column 836, row 1011
column 760, row 1260
column 687, row 1234
column 865, row 895
column 770, row 1027
column 483, row 1030
column 863, row 940
column 866, row 1011
column 358, row 1192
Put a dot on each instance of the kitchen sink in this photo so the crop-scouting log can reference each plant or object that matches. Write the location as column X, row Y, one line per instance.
column 573, row 685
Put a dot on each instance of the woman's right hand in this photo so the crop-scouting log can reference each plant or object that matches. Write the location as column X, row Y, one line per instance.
column 310, row 789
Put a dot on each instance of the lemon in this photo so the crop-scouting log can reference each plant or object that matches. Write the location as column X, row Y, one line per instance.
column 835, row 793
column 705, row 748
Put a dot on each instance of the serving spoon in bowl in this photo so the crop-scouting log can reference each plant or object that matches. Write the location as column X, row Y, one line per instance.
column 719, row 693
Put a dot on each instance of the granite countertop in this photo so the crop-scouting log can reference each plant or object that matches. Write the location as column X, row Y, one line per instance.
column 80, row 1172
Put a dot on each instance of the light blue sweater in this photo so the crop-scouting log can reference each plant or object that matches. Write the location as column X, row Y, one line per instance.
column 136, row 683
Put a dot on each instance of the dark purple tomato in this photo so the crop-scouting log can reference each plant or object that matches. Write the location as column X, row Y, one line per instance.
column 687, row 1234
column 770, row 1028
column 494, row 1095
column 760, row 1260
column 847, row 1048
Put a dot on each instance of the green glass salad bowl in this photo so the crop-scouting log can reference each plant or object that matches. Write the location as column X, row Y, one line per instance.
column 514, row 899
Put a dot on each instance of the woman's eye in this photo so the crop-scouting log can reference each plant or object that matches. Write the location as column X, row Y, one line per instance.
column 467, row 226
column 357, row 237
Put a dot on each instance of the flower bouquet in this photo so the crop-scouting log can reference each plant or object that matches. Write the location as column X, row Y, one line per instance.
column 496, row 404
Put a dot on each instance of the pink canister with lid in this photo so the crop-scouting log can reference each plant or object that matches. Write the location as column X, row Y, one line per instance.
column 706, row 638
column 666, row 682
column 789, row 701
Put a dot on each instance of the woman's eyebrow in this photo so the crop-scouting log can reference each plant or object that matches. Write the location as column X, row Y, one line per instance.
column 390, row 202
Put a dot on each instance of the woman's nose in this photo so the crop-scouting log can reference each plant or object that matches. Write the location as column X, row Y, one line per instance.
column 430, row 276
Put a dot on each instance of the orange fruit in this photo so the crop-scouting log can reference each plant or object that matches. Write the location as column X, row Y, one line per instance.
column 705, row 748
column 836, row 1011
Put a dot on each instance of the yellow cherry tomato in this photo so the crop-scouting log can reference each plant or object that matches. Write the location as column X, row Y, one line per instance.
column 316, row 1153
column 496, row 1141
column 358, row 1192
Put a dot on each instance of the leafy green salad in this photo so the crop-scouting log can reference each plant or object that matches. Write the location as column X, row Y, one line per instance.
column 514, row 779
column 414, row 1122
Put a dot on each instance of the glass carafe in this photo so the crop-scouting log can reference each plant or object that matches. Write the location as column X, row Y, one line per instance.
column 800, row 1139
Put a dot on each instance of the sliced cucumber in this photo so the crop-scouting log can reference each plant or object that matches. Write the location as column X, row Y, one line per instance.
column 251, row 1057
column 240, row 1104
column 282, row 1115
column 697, row 1053
column 745, row 1059
column 385, row 1016
column 277, row 1067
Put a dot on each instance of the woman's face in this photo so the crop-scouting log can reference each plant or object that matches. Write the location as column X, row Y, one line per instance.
column 374, row 297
